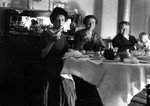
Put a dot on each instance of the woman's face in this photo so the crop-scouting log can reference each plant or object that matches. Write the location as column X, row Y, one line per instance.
column 90, row 24
column 59, row 22
column 124, row 29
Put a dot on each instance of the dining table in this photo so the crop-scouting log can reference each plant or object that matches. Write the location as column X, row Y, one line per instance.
column 116, row 82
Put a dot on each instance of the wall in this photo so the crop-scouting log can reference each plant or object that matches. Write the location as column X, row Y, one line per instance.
column 81, row 5
column 138, row 17
column 109, row 18
column 98, row 13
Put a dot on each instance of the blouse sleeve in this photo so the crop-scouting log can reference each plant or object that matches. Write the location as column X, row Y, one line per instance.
column 117, row 42
column 134, row 41
column 102, row 44
column 79, row 41
column 99, row 44
column 123, row 44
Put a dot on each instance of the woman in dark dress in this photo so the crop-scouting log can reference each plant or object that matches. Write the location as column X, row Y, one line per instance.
column 123, row 40
column 54, row 47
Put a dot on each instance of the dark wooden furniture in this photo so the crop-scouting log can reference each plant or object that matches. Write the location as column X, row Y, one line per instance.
column 24, row 78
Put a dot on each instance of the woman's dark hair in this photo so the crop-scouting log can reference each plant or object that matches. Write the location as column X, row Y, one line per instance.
column 58, row 11
column 88, row 17
column 123, row 23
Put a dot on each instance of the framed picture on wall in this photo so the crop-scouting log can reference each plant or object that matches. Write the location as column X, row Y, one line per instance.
column 59, row 4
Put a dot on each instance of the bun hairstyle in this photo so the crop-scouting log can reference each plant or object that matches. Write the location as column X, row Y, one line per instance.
column 123, row 23
column 58, row 11
column 88, row 17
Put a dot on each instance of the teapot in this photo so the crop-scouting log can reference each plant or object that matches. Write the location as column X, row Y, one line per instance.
column 109, row 54
column 124, row 54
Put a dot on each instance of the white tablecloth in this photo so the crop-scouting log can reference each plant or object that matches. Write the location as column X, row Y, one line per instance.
column 116, row 82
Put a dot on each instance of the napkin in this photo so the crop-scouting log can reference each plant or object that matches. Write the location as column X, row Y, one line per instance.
column 74, row 53
column 96, row 61
column 131, row 60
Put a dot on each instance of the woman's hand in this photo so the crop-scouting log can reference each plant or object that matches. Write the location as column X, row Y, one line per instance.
column 85, row 39
column 56, row 36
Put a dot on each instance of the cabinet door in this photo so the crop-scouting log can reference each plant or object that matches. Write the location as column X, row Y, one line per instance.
column 22, row 53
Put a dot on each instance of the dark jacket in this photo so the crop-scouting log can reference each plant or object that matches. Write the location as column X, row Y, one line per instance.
column 122, row 43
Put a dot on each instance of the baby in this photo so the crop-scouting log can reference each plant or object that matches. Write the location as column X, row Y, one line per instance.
column 144, row 42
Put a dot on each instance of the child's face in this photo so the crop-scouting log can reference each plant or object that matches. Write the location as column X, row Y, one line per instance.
column 145, row 38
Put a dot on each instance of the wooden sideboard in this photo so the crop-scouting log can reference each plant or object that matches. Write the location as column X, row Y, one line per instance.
column 20, row 71
column 22, row 56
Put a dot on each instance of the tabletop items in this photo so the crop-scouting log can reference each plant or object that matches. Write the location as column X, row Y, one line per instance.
column 141, row 52
column 116, row 82
column 133, row 57
column 87, row 54
column 110, row 54
column 142, row 56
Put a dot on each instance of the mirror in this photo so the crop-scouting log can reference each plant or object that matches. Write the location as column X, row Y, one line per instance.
column 26, row 22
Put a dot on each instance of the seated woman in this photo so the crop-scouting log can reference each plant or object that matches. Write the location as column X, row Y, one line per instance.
column 87, row 39
column 123, row 40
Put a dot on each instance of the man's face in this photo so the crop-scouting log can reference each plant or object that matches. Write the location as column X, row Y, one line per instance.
column 124, row 29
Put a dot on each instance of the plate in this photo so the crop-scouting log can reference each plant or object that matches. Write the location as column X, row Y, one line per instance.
column 115, row 60
column 143, row 57
column 90, row 52
column 80, row 56
column 144, row 61
column 138, row 53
